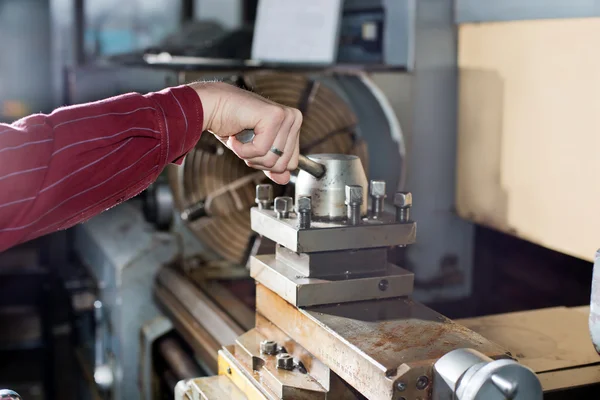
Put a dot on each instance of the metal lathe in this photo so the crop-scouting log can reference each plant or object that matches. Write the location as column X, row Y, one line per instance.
column 335, row 320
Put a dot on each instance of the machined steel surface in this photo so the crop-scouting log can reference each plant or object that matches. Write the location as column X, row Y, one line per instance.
column 594, row 319
column 343, row 264
column 465, row 374
column 376, row 345
column 328, row 194
column 301, row 291
column 331, row 235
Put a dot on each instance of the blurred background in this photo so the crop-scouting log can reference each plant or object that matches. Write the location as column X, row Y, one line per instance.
column 486, row 112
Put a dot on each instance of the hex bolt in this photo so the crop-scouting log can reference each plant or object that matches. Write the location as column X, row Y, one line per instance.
column 264, row 196
column 303, row 209
column 422, row 382
column 285, row 361
column 268, row 347
column 283, row 206
column 403, row 203
column 383, row 285
column 354, row 200
column 377, row 198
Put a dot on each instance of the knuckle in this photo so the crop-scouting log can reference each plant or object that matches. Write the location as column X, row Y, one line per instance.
column 278, row 114
column 297, row 115
column 263, row 149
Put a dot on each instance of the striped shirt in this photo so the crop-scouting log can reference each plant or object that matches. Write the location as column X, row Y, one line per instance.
column 60, row 169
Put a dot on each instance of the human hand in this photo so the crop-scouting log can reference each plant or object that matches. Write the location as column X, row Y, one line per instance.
column 229, row 110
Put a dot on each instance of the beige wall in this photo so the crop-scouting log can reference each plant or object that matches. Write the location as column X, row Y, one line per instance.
column 529, row 131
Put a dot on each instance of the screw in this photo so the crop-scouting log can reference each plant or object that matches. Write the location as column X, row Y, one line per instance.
column 377, row 198
column 383, row 285
column 403, row 203
column 264, row 196
column 354, row 200
column 285, row 361
column 228, row 371
column 303, row 209
column 283, row 206
column 268, row 347
column 422, row 382
column 401, row 386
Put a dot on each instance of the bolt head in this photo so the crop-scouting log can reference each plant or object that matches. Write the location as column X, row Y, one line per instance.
column 284, row 204
column 285, row 361
column 264, row 193
column 403, row 199
column 354, row 194
column 378, row 188
column 268, row 347
column 303, row 204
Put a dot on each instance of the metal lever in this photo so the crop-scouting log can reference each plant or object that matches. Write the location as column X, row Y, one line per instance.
column 304, row 163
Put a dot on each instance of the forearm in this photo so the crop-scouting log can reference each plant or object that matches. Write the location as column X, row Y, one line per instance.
column 61, row 169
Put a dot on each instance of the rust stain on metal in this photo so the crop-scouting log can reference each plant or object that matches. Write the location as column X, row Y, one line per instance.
column 373, row 344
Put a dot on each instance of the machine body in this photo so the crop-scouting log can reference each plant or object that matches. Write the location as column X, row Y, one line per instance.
column 335, row 320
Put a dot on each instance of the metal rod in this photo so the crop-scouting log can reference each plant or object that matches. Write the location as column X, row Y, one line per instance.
column 181, row 364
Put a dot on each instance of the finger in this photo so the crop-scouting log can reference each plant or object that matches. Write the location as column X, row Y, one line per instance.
column 279, row 178
column 295, row 145
column 293, row 164
column 286, row 162
column 266, row 132
column 272, row 161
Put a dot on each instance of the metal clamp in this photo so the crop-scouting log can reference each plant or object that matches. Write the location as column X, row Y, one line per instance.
column 6, row 394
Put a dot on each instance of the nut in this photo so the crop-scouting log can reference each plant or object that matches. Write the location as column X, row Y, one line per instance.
column 403, row 199
column 303, row 204
column 268, row 347
column 378, row 188
column 264, row 193
column 283, row 204
column 354, row 195
column 285, row 361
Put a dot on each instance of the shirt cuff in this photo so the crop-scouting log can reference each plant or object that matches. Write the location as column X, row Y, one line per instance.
column 181, row 122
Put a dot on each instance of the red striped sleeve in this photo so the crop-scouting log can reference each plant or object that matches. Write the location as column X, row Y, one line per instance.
column 61, row 169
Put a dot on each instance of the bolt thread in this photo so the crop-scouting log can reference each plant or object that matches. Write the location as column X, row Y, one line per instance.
column 354, row 213
column 263, row 204
column 283, row 214
column 377, row 207
column 402, row 214
column 304, row 219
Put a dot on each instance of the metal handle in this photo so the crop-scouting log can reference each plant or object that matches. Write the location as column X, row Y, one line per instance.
column 6, row 394
column 304, row 163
